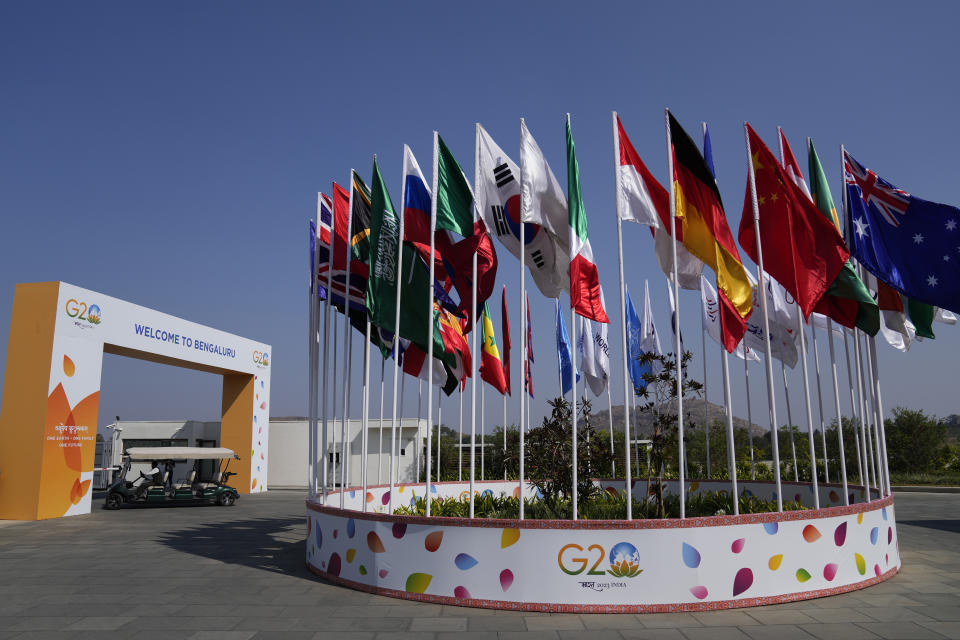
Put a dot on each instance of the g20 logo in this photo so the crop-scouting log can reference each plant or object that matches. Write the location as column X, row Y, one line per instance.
column 262, row 358
column 82, row 311
column 624, row 560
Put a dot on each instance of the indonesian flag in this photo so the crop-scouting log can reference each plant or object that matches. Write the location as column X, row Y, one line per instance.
column 584, row 277
column 640, row 198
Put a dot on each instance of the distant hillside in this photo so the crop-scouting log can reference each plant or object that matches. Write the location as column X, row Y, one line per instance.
column 953, row 427
column 693, row 408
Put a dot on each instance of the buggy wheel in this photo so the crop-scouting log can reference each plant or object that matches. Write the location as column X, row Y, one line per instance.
column 114, row 501
column 226, row 499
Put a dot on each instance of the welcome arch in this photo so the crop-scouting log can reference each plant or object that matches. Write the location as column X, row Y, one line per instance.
column 51, row 393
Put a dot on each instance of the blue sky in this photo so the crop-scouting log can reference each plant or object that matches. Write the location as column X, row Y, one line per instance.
column 169, row 154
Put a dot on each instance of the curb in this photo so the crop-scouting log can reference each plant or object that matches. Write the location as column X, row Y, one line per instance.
column 914, row 488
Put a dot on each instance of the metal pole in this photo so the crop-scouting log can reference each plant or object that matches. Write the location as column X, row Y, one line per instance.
column 433, row 227
column 853, row 411
column 806, row 395
column 523, row 332
column 383, row 367
column 836, row 400
column 882, row 436
column 706, row 397
column 623, row 329
column 746, row 383
column 573, row 403
column 460, row 440
column 793, row 448
column 613, row 460
column 439, row 424
column 823, row 427
column 864, row 433
column 731, row 454
column 774, row 440
column 365, row 421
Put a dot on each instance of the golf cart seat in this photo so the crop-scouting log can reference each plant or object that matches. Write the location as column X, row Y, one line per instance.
column 213, row 482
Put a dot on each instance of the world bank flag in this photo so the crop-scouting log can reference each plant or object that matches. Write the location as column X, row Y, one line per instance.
column 910, row 243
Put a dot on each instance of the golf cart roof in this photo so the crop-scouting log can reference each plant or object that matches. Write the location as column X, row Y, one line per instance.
column 180, row 453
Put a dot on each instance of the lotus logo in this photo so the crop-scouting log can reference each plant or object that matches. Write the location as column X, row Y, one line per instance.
column 80, row 310
column 624, row 561
column 262, row 358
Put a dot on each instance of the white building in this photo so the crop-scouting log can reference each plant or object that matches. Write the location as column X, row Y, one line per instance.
column 287, row 449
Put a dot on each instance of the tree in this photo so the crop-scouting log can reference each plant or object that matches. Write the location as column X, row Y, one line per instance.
column 915, row 441
column 549, row 461
column 656, row 399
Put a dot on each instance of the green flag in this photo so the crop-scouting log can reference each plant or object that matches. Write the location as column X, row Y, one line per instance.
column 846, row 297
column 414, row 283
column 921, row 315
column 384, row 255
column 454, row 196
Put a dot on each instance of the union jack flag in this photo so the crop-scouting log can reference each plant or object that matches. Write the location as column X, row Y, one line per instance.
column 874, row 190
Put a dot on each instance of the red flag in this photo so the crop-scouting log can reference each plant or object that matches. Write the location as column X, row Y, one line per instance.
column 802, row 250
column 505, row 330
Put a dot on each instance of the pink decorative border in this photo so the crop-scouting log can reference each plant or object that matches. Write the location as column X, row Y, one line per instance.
column 602, row 608
column 668, row 523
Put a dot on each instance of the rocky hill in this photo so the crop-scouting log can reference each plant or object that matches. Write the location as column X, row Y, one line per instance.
column 693, row 409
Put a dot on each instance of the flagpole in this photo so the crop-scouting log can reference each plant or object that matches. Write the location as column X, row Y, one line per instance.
column 396, row 330
column 731, row 454
column 439, row 424
column 523, row 332
column 883, row 431
column 766, row 323
column 613, row 459
column 483, row 406
column 786, row 394
column 836, row 400
column 348, row 346
column 460, row 438
column 806, row 395
column 872, row 409
column 706, row 400
column 676, row 322
column 383, row 367
column 864, row 432
column 573, row 403
column 623, row 329
column 823, row 427
column 416, row 450
column 474, row 365
column 326, row 341
column 312, row 364
column 504, row 437
column 333, row 447
column 433, row 228
column 399, row 439
column 746, row 382
column 365, row 418
column 853, row 409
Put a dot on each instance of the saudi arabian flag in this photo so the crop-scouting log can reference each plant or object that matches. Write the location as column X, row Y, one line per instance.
column 454, row 196
column 584, row 277
column 384, row 255
column 847, row 296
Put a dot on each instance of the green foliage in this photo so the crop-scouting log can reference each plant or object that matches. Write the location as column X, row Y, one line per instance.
column 602, row 505
column 916, row 442
column 549, row 450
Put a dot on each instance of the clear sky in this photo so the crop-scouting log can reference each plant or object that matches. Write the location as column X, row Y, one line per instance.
column 170, row 153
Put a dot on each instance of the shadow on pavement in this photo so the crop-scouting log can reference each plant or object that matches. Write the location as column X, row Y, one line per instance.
column 268, row 544
column 953, row 526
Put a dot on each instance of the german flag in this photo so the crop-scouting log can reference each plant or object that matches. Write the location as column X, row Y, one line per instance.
column 706, row 235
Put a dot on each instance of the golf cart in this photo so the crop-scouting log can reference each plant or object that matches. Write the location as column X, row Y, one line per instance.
column 158, row 486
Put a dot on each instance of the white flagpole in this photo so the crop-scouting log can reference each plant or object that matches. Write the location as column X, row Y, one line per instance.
column 333, row 447
column 439, row 424
column 474, row 365
column 365, row 420
column 875, row 416
column 312, row 366
column 836, row 400
column 853, row 410
column 766, row 324
column 786, row 394
column 806, row 395
column 746, row 383
column 731, row 454
column 864, row 426
column 483, row 417
column 348, row 353
column 433, row 229
column 676, row 323
column 460, row 439
column 523, row 332
column 636, row 437
column 326, row 342
column 416, row 450
column 383, row 367
column 504, row 437
column 882, row 436
column 823, row 426
column 623, row 329
column 613, row 460
column 396, row 336
column 573, row 396
column 706, row 397
column 403, row 391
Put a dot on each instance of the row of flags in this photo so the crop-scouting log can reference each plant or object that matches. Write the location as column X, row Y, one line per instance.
column 891, row 270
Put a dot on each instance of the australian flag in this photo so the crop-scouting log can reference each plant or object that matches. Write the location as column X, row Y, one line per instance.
column 910, row 243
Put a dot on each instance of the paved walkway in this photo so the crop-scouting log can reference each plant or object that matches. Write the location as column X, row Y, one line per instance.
column 210, row 573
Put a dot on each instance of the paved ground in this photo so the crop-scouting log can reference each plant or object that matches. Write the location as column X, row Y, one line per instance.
column 209, row 573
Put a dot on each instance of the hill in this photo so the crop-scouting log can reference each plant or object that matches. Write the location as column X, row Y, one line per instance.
column 692, row 408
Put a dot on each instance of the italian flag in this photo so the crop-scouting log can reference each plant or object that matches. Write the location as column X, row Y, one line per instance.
column 584, row 277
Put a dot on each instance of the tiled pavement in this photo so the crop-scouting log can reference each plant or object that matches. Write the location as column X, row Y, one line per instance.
column 212, row 573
